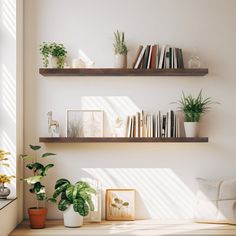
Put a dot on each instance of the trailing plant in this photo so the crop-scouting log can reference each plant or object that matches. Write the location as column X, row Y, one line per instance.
column 55, row 50
column 39, row 171
column 79, row 195
column 193, row 108
column 3, row 162
column 119, row 44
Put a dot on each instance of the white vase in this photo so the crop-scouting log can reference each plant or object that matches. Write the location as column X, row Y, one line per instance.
column 191, row 129
column 54, row 62
column 120, row 61
column 72, row 218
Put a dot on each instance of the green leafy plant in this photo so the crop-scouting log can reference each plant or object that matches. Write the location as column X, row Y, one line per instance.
column 119, row 203
column 119, row 44
column 39, row 171
column 79, row 194
column 55, row 50
column 193, row 108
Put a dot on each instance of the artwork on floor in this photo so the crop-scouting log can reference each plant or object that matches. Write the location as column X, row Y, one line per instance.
column 120, row 204
column 84, row 123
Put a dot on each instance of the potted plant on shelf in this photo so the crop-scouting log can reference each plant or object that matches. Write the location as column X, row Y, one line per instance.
column 4, row 191
column 120, row 50
column 75, row 201
column 56, row 51
column 37, row 214
column 193, row 109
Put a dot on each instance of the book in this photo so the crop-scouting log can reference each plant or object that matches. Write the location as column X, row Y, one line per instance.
column 138, row 118
column 146, row 56
column 163, row 125
column 144, row 130
column 154, row 57
column 162, row 54
column 175, row 59
column 149, row 57
column 172, row 124
column 137, row 56
column 169, row 124
column 181, row 58
column 128, row 125
column 167, row 57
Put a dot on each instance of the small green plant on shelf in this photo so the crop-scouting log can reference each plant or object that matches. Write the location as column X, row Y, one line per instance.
column 119, row 44
column 193, row 108
column 79, row 195
column 39, row 171
column 57, row 51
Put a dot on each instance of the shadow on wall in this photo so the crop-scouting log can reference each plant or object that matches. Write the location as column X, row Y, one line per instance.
column 8, row 85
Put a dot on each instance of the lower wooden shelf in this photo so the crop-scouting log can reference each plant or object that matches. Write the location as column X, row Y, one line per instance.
column 122, row 140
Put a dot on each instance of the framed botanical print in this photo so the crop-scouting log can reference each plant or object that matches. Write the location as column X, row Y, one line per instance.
column 120, row 204
column 84, row 123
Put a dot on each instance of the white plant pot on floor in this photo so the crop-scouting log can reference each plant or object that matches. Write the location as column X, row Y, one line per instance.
column 120, row 61
column 72, row 218
column 191, row 129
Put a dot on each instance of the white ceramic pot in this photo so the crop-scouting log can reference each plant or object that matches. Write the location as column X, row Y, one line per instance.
column 191, row 129
column 120, row 61
column 54, row 61
column 72, row 218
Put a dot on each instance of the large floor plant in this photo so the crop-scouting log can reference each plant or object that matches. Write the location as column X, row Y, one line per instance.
column 75, row 201
column 37, row 214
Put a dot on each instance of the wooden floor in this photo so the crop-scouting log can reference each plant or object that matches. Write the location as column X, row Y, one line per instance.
column 139, row 227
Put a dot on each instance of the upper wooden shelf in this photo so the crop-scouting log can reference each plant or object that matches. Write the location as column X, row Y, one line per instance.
column 122, row 72
column 122, row 140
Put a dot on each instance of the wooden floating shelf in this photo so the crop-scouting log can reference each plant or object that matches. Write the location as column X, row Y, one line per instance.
column 122, row 140
column 122, row 72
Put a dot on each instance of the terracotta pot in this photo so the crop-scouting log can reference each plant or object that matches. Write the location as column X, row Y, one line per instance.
column 37, row 217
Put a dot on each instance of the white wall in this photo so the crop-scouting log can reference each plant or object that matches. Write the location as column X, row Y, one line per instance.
column 163, row 174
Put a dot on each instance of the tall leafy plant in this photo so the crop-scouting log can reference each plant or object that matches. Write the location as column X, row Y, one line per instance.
column 39, row 171
column 79, row 195
column 119, row 44
column 194, row 107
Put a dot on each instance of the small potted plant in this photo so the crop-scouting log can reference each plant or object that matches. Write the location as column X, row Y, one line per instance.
column 120, row 50
column 193, row 109
column 56, row 51
column 37, row 214
column 75, row 201
column 4, row 191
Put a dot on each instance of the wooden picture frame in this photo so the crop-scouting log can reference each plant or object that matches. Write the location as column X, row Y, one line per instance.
column 84, row 123
column 120, row 204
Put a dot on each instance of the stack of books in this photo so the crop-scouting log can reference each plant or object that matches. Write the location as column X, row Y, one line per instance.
column 153, row 57
column 159, row 125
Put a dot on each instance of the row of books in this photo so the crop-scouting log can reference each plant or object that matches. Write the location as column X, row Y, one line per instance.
column 159, row 125
column 152, row 57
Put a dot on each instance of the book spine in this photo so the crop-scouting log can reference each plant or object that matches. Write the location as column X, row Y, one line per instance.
column 146, row 54
column 149, row 57
column 153, row 59
column 137, row 56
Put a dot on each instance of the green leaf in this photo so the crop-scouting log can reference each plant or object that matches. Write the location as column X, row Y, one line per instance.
column 53, row 200
column 47, row 154
column 81, row 207
column 61, row 182
column 69, row 193
column 35, row 148
column 41, row 196
column 125, row 204
column 60, row 189
column 34, row 179
column 63, row 204
column 46, row 168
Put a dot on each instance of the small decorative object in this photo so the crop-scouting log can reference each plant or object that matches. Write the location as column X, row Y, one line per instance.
column 193, row 109
column 53, row 126
column 194, row 61
column 120, row 50
column 4, row 191
column 120, row 204
column 37, row 215
column 119, row 127
column 75, row 201
column 83, row 61
column 56, row 51
column 84, row 123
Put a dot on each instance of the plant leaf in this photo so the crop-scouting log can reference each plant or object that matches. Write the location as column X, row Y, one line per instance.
column 61, row 182
column 35, row 148
column 60, row 189
column 47, row 154
column 34, row 179
column 63, row 204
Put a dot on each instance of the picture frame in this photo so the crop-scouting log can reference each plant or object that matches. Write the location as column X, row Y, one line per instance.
column 120, row 204
column 84, row 123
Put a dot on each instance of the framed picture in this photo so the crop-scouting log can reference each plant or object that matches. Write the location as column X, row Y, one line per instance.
column 84, row 123
column 120, row 204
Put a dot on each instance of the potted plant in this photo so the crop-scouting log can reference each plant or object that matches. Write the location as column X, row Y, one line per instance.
column 37, row 214
column 193, row 108
column 120, row 50
column 75, row 201
column 4, row 191
column 56, row 51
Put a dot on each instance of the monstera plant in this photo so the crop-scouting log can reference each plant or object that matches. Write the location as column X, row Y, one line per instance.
column 75, row 201
column 37, row 214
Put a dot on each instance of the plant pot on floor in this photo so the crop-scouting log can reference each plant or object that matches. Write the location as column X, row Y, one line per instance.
column 120, row 61
column 191, row 129
column 37, row 217
column 72, row 218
